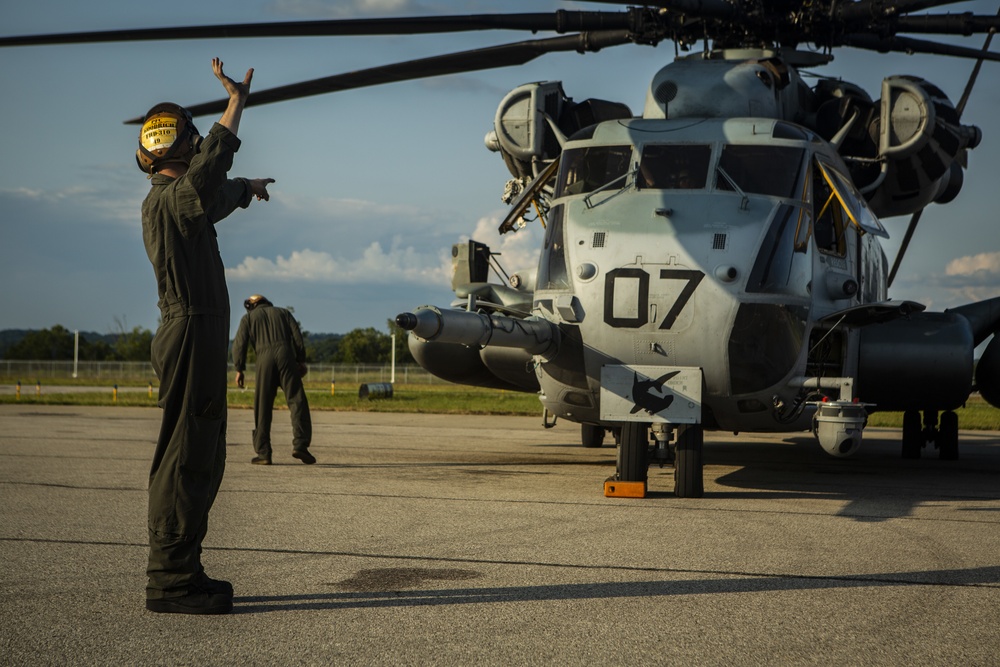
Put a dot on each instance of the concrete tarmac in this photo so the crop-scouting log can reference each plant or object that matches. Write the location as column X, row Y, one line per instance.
column 461, row 540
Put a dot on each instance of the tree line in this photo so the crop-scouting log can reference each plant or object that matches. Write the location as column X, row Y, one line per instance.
column 360, row 346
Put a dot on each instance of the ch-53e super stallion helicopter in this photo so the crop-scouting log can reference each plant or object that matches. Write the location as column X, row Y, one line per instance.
column 713, row 262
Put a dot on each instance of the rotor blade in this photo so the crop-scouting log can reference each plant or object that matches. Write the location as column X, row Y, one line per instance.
column 947, row 24
column 697, row 8
column 559, row 21
column 908, row 45
column 504, row 55
column 878, row 9
column 908, row 6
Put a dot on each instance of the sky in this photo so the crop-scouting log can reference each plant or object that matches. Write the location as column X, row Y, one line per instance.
column 373, row 186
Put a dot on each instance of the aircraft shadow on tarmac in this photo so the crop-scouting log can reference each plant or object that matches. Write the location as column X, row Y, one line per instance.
column 876, row 484
column 704, row 583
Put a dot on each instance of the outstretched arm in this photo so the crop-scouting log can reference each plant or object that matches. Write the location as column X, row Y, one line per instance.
column 238, row 93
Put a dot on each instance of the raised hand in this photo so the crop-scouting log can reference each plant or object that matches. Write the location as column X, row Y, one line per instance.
column 239, row 90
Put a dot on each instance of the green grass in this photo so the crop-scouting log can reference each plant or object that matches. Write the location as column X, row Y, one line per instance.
column 418, row 398
column 439, row 399
column 976, row 415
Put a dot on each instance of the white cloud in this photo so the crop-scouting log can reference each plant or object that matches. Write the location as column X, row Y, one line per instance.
column 397, row 264
column 966, row 279
column 982, row 265
column 374, row 266
column 974, row 277
column 518, row 250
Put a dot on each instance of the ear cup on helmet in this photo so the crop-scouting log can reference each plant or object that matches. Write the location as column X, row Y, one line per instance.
column 145, row 165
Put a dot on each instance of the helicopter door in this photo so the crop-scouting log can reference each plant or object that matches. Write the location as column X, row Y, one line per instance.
column 839, row 208
column 830, row 220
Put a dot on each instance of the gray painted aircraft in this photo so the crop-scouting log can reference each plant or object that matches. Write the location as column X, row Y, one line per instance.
column 714, row 261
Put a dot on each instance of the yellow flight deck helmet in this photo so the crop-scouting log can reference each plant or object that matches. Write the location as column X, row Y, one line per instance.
column 255, row 301
column 168, row 135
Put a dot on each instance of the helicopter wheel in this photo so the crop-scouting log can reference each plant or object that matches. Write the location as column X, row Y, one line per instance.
column 688, row 465
column 633, row 452
column 913, row 435
column 947, row 438
column 591, row 435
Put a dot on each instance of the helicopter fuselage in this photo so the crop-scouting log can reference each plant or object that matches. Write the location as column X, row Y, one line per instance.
column 713, row 244
column 715, row 264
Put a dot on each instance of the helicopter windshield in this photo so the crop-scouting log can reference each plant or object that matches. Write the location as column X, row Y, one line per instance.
column 674, row 166
column 764, row 170
column 587, row 169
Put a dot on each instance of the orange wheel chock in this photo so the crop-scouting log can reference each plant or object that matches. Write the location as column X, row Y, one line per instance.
column 616, row 488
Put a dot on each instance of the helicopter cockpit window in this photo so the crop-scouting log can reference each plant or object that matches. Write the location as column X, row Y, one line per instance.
column 855, row 204
column 587, row 169
column 765, row 170
column 782, row 266
column 674, row 166
column 552, row 271
column 830, row 219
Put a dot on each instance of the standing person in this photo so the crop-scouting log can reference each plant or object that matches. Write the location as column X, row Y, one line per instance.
column 189, row 193
column 281, row 361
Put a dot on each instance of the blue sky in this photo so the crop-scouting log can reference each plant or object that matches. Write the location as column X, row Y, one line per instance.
column 373, row 186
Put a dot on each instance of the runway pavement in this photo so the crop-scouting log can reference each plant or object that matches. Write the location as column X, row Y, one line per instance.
column 444, row 540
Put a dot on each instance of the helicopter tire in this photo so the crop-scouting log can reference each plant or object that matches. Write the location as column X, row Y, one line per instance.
column 591, row 435
column 633, row 452
column 913, row 435
column 688, row 466
column 948, row 436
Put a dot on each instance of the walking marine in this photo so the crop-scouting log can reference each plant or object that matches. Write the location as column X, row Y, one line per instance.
column 189, row 194
column 281, row 355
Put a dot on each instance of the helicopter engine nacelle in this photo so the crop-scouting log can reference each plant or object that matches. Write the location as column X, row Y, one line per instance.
column 520, row 132
column 921, row 141
column 922, row 362
column 534, row 119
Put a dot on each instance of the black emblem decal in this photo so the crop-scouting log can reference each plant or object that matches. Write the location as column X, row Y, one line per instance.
column 644, row 397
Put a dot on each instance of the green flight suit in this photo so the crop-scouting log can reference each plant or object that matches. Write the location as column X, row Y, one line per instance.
column 190, row 356
column 277, row 342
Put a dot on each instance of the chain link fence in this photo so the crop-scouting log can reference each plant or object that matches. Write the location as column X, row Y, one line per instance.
column 142, row 372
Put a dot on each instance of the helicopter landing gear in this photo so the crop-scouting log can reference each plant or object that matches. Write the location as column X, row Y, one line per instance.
column 947, row 439
column 633, row 462
column 591, row 435
column 913, row 435
column 944, row 435
column 634, row 458
column 688, row 465
column 633, row 452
